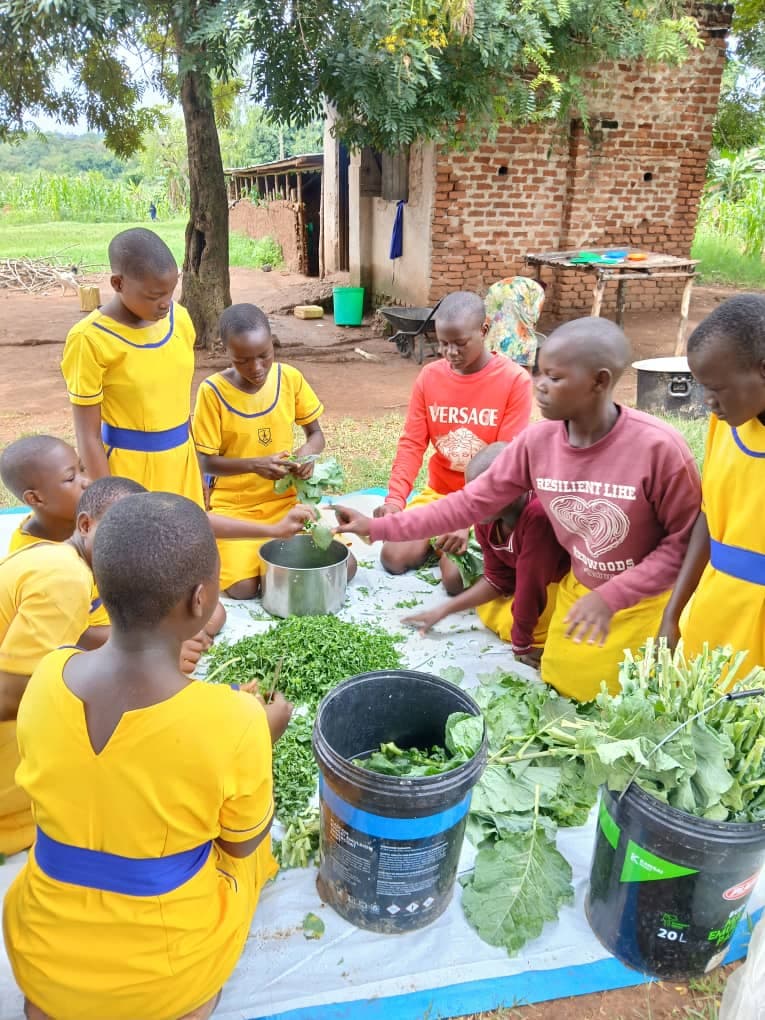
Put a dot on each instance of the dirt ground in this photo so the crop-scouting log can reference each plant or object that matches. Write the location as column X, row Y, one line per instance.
column 33, row 398
column 33, row 328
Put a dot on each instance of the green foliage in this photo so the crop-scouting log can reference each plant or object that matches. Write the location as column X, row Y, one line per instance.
column 723, row 262
column 462, row 740
column 713, row 765
column 61, row 154
column 733, row 200
column 740, row 120
column 516, row 886
column 86, row 197
column 327, row 476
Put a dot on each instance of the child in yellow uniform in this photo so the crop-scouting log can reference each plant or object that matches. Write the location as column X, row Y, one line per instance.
column 45, row 600
column 725, row 563
column 243, row 430
column 138, row 895
column 47, row 475
column 128, row 368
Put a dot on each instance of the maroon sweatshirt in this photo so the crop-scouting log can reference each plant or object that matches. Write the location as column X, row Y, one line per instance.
column 523, row 566
column 622, row 508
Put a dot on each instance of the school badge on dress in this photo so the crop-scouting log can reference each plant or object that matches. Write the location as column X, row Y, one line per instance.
column 264, row 436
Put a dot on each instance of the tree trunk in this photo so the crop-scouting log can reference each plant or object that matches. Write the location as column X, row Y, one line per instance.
column 206, row 289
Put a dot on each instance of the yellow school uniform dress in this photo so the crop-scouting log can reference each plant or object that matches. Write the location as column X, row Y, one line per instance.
column 44, row 600
column 158, row 930
column 98, row 615
column 230, row 423
column 142, row 380
column 728, row 607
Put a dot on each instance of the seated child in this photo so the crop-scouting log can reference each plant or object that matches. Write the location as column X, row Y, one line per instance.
column 243, row 430
column 620, row 488
column 45, row 600
column 460, row 403
column 152, row 793
column 725, row 563
column 522, row 566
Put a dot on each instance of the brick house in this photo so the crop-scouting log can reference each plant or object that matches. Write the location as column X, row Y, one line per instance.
column 470, row 218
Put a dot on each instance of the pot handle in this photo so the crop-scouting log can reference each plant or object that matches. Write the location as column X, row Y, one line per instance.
column 679, row 386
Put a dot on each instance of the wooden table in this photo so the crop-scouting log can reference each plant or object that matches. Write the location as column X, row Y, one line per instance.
column 655, row 266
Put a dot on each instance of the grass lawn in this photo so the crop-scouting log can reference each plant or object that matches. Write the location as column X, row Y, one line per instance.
column 722, row 263
column 86, row 243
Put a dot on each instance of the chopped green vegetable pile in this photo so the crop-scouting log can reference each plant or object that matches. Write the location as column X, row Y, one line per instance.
column 463, row 738
column 317, row 652
column 304, row 657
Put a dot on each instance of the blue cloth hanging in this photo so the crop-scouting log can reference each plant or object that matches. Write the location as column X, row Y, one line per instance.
column 397, row 237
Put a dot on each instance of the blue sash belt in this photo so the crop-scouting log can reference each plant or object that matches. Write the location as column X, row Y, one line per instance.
column 144, row 442
column 741, row 563
column 132, row 876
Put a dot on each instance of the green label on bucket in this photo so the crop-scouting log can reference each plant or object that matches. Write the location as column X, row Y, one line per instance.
column 642, row 866
column 610, row 829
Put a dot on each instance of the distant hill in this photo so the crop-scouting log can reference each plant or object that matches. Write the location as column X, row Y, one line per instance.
column 62, row 154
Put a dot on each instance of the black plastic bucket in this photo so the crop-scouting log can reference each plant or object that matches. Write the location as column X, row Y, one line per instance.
column 667, row 386
column 390, row 846
column 667, row 889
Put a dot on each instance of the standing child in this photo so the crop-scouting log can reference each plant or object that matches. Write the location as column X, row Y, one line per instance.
column 460, row 403
column 45, row 601
column 138, row 895
column 128, row 368
column 523, row 563
column 243, row 429
column 725, row 563
column 622, row 493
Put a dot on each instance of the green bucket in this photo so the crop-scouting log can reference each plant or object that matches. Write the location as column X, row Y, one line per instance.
column 348, row 304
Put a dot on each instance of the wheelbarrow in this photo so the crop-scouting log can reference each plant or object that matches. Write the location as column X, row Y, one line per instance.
column 414, row 328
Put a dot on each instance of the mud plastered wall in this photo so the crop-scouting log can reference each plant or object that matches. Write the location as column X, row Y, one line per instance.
column 277, row 219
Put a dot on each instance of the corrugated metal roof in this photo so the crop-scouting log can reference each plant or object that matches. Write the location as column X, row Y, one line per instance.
column 308, row 161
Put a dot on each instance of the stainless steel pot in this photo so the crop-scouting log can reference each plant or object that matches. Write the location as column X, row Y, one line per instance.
column 666, row 386
column 302, row 580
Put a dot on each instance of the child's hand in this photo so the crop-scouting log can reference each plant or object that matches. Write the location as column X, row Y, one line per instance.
column 351, row 522
column 424, row 621
column 532, row 658
column 192, row 651
column 278, row 713
column 274, row 467
column 590, row 619
column 669, row 629
column 386, row 508
column 455, row 542
column 304, row 470
column 295, row 521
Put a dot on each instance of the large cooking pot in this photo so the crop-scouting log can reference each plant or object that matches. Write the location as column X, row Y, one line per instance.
column 299, row 579
column 667, row 386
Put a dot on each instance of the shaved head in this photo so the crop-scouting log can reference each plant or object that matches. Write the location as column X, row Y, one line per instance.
column 24, row 464
column 591, row 342
column 483, row 459
column 139, row 252
column 462, row 308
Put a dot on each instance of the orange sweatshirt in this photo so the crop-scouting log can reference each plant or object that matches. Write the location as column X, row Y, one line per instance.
column 459, row 415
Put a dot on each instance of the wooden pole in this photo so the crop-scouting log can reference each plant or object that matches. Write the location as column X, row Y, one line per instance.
column 597, row 295
column 685, row 305
column 620, row 301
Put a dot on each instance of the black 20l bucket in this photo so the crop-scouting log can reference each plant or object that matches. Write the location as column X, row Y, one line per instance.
column 667, row 889
column 390, row 845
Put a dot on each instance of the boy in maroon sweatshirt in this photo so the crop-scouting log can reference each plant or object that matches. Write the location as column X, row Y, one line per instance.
column 523, row 563
column 621, row 490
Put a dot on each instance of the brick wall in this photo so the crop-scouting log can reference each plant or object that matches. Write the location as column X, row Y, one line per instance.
column 636, row 180
column 277, row 219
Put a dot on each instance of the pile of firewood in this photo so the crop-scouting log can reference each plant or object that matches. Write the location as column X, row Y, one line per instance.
column 40, row 275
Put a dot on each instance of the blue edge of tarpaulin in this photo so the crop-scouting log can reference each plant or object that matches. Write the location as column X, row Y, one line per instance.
column 498, row 992
column 491, row 993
